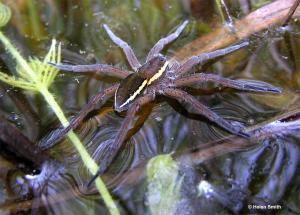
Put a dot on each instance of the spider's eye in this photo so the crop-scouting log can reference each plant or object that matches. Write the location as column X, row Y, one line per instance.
column 162, row 59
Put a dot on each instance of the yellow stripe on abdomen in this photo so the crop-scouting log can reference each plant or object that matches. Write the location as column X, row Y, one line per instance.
column 138, row 91
column 146, row 83
column 158, row 74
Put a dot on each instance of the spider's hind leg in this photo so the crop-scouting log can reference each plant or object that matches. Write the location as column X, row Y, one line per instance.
column 58, row 134
column 127, row 125
column 183, row 97
column 166, row 40
column 247, row 85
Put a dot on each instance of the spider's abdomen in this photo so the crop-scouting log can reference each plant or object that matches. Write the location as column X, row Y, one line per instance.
column 129, row 89
column 133, row 85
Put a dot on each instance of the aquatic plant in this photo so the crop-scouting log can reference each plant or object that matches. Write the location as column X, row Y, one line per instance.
column 35, row 75
column 164, row 185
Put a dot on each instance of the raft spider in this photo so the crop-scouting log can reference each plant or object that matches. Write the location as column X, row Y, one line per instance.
column 157, row 76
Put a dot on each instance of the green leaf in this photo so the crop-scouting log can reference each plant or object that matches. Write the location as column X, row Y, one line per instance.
column 20, row 83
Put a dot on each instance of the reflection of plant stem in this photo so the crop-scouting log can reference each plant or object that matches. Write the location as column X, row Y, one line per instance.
column 87, row 160
column 34, row 18
column 219, row 7
column 86, row 4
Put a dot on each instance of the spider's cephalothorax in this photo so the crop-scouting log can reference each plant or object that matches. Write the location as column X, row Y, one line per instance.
column 157, row 76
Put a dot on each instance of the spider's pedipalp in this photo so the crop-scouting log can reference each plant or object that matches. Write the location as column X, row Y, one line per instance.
column 98, row 68
column 133, row 61
column 183, row 97
column 166, row 40
column 127, row 124
column 61, row 132
column 247, row 85
column 203, row 58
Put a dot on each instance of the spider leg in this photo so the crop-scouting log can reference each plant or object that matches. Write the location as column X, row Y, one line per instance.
column 203, row 58
column 133, row 61
column 61, row 132
column 249, row 85
column 127, row 124
column 183, row 97
column 166, row 40
column 98, row 68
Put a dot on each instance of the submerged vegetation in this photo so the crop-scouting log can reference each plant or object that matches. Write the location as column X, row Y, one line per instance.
column 176, row 162
column 164, row 183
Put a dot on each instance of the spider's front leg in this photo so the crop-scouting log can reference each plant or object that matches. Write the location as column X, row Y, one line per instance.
column 165, row 41
column 102, row 69
column 183, row 97
column 58, row 134
column 248, row 85
column 203, row 58
column 127, row 124
column 132, row 59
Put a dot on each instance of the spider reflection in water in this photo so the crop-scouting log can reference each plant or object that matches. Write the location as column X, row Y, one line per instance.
column 158, row 76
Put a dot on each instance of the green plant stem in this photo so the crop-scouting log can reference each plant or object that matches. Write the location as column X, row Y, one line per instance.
column 87, row 160
column 8, row 46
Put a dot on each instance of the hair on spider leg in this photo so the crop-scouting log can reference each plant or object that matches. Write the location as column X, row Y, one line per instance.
column 157, row 76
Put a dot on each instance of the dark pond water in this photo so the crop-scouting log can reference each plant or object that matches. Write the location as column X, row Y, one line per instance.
column 218, row 173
